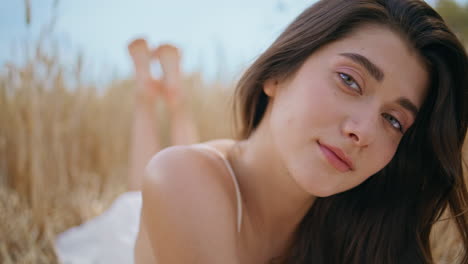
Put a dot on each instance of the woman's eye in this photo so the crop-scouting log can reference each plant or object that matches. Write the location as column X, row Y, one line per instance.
column 349, row 81
column 393, row 122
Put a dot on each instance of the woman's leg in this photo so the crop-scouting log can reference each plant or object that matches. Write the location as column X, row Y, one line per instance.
column 144, row 132
column 183, row 130
column 144, row 135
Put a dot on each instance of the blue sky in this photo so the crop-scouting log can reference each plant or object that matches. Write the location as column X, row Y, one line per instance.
column 214, row 35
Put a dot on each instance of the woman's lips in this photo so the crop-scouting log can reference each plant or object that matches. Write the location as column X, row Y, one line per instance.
column 336, row 158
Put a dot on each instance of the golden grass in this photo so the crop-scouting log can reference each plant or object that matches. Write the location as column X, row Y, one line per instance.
column 64, row 147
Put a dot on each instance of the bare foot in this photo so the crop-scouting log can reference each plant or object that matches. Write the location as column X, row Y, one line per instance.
column 147, row 87
column 169, row 57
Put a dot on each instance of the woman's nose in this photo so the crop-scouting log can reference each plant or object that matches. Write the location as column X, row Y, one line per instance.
column 362, row 128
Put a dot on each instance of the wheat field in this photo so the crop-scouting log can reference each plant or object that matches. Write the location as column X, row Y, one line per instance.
column 64, row 151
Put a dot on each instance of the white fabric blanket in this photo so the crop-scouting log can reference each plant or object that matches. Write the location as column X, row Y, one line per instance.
column 107, row 238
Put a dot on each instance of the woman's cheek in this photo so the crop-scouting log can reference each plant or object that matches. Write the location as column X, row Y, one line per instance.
column 388, row 155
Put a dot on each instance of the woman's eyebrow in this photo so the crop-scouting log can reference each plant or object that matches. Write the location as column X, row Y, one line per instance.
column 408, row 105
column 373, row 69
column 378, row 74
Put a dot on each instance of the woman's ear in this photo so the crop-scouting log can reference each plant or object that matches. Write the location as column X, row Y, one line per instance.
column 270, row 86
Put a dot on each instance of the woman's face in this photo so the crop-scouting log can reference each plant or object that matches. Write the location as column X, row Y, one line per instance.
column 340, row 118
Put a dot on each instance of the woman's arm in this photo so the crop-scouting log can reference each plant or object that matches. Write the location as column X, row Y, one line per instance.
column 187, row 212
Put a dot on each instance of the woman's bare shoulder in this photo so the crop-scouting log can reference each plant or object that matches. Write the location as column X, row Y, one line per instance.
column 187, row 205
column 191, row 163
column 183, row 162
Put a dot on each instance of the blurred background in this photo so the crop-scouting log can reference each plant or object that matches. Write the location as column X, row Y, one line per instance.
column 66, row 86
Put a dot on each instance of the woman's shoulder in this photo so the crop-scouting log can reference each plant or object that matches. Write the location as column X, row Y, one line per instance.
column 186, row 198
column 187, row 160
column 192, row 166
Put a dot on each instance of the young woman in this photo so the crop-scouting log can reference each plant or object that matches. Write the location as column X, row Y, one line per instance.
column 350, row 148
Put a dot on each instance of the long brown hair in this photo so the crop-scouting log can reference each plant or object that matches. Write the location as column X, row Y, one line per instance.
column 389, row 217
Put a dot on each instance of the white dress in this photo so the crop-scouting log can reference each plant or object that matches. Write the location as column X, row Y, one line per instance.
column 110, row 237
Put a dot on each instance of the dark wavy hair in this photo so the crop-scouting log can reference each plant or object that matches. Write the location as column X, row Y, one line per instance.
column 389, row 217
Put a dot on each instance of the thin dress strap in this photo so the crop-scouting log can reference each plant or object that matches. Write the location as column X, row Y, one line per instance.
column 236, row 184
